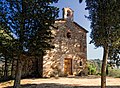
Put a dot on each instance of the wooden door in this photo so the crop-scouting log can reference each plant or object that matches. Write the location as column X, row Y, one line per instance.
column 68, row 66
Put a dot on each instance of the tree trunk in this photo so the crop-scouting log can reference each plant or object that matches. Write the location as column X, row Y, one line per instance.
column 40, row 68
column 18, row 74
column 36, row 72
column 6, row 69
column 107, row 72
column 12, row 70
column 104, row 64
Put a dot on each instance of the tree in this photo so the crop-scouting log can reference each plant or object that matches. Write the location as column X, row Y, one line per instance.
column 114, row 53
column 104, row 17
column 28, row 22
column 5, row 50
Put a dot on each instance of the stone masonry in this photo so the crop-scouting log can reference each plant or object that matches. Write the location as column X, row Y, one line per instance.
column 70, row 53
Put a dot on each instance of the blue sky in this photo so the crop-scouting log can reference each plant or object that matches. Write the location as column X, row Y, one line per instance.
column 79, row 17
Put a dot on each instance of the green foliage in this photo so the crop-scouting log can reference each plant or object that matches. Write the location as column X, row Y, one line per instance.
column 28, row 22
column 91, row 68
column 104, row 17
column 1, row 72
column 114, row 56
column 105, row 24
column 114, row 73
column 5, row 52
column 80, row 1
column 94, row 66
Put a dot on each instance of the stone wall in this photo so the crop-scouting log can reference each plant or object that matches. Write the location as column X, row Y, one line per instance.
column 73, row 47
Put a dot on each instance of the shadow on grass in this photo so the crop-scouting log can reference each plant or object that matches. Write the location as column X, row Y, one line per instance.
column 54, row 85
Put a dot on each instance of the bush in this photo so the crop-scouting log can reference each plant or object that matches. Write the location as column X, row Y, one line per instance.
column 91, row 69
column 114, row 73
column 99, row 74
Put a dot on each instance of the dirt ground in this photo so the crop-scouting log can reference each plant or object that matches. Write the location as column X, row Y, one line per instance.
column 65, row 82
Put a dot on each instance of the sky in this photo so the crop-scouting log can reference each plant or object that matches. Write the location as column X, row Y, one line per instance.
column 79, row 17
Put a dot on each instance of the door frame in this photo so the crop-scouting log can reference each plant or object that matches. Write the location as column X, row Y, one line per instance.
column 69, row 59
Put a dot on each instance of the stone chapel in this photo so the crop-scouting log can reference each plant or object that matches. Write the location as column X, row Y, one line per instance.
column 70, row 53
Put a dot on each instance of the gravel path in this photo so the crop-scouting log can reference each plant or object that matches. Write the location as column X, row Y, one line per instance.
column 65, row 82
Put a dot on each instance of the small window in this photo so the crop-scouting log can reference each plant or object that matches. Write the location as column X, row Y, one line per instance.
column 80, row 63
column 68, row 34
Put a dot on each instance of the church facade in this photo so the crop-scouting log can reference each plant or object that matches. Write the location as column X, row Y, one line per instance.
column 70, row 53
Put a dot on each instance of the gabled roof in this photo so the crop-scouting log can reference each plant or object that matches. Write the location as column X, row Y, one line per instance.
column 80, row 27
column 73, row 23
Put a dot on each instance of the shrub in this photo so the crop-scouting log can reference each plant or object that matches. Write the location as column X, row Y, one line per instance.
column 91, row 69
column 114, row 73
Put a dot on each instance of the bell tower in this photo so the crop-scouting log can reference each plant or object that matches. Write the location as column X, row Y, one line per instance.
column 68, row 14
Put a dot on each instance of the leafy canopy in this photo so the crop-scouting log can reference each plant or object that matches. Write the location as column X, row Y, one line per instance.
column 29, row 22
column 105, row 23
